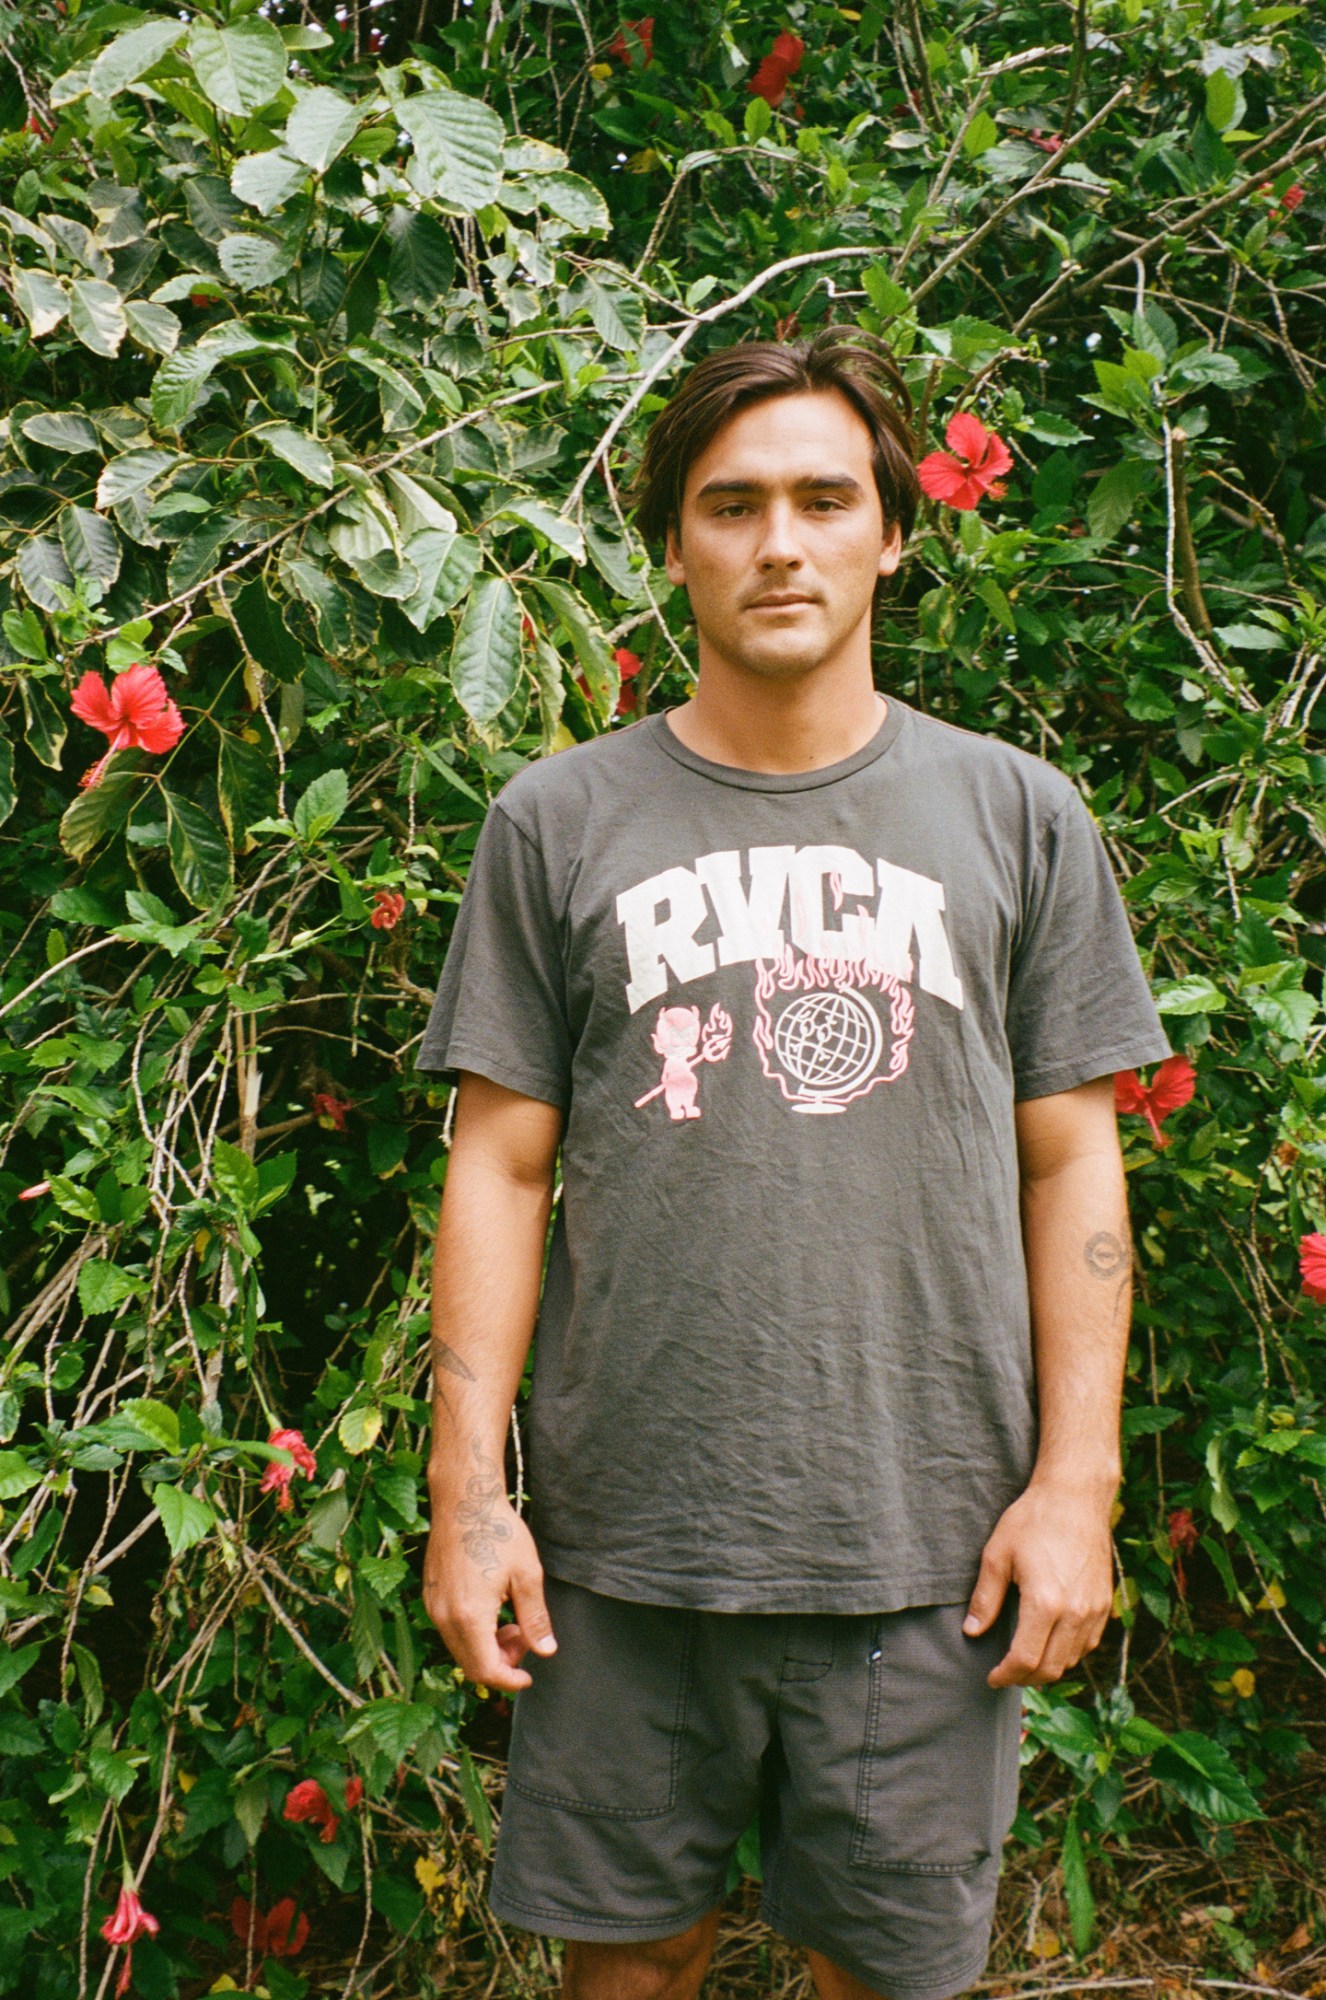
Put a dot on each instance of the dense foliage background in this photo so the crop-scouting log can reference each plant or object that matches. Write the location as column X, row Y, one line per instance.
column 326, row 345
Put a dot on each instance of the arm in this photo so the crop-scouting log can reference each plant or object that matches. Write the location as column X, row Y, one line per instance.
column 1054, row 1541
column 487, row 1266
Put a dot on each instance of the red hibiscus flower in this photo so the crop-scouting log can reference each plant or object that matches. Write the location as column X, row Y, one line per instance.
column 1183, row 1532
column 354, row 1793
column 388, row 909
column 136, row 714
column 125, row 1926
column 970, row 468
column 1312, row 1265
column 628, row 666
column 644, row 33
column 307, row 1800
column 38, row 1187
column 330, row 1110
column 771, row 79
column 1170, row 1088
column 278, row 1476
column 279, row 1934
column 1291, row 197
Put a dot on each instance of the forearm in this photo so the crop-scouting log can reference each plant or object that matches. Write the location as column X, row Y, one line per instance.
column 1079, row 1273
column 487, row 1264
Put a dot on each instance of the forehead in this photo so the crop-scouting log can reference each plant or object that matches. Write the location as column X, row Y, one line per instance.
column 783, row 439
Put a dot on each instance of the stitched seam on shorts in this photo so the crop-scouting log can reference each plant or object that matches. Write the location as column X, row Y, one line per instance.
column 864, row 1767
column 679, row 1718
column 682, row 1918
column 775, row 1917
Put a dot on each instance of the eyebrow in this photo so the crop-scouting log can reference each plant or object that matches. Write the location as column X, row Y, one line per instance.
column 836, row 482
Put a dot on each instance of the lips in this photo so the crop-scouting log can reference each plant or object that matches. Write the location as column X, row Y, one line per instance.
column 778, row 603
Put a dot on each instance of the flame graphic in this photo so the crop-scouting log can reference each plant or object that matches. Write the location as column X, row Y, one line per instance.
column 788, row 974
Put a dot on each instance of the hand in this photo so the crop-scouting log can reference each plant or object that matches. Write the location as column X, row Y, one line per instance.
column 1054, row 1543
column 468, row 1575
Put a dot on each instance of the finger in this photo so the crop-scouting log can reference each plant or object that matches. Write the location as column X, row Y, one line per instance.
column 988, row 1596
column 476, row 1650
column 1063, row 1649
column 1020, row 1663
column 530, row 1607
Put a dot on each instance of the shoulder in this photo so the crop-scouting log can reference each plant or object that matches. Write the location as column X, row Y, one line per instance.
column 559, row 789
column 1002, row 774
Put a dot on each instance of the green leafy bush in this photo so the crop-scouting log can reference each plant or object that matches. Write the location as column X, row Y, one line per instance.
column 325, row 362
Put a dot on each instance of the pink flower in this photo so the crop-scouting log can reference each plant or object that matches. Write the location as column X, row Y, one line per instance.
column 970, row 468
column 1312, row 1265
column 776, row 70
column 388, row 909
column 330, row 1110
column 38, row 1187
column 308, row 1801
column 278, row 1476
column 1050, row 144
column 136, row 714
column 129, row 1922
column 1170, row 1089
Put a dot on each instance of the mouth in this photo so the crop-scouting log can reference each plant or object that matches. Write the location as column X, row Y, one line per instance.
column 784, row 603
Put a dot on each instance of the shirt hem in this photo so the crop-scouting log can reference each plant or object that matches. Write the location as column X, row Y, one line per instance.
column 513, row 1076
column 852, row 1595
column 1084, row 1069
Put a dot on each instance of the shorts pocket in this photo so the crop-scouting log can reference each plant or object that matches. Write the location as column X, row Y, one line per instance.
column 938, row 1777
column 600, row 1729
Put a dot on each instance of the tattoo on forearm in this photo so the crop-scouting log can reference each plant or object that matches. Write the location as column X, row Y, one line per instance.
column 1106, row 1254
column 447, row 1357
column 484, row 1494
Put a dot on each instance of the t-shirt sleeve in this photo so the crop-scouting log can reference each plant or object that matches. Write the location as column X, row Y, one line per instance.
column 1079, row 1005
column 500, row 1006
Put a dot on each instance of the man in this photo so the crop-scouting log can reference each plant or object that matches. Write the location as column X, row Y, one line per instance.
column 821, row 999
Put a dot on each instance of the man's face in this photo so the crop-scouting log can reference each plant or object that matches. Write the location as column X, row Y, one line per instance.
column 782, row 535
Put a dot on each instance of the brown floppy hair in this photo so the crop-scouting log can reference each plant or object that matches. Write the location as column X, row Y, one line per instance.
column 855, row 363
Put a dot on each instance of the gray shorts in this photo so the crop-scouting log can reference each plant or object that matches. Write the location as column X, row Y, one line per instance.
column 883, row 1770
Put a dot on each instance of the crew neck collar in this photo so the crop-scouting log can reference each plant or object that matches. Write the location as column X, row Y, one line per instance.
column 780, row 781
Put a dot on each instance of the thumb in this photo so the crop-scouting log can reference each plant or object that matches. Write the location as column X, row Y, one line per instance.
column 527, row 1601
column 988, row 1596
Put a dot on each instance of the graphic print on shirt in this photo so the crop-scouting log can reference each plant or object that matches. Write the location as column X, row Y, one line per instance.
column 834, row 1016
column 677, row 1038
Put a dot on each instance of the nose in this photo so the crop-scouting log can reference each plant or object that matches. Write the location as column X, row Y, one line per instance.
column 778, row 548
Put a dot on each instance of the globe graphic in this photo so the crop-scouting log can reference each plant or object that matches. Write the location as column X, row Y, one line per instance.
column 828, row 1042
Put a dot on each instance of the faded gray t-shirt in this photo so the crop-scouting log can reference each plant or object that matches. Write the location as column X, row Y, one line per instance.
column 783, row 1359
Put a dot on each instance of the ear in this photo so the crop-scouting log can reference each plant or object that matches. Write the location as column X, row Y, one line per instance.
column 891, row 553
column 672, row 556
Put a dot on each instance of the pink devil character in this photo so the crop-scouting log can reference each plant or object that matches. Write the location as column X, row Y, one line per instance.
column 677, row 1038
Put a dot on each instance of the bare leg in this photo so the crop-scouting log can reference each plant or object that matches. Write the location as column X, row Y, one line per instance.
column 669, row 1969
column 832, row 1983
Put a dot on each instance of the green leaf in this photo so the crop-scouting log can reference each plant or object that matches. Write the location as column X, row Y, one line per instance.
column 241, row 67
column 46, row 727
column 198, row 849
column 308, row 455
column 41, row 299
column 96, row 314
column 196, row 556
column 61, row 430
column 1077, row 1888
column 885, row 295
column 90, row 544
column 386, row 574
column 457, row 147
column 593, row 653
column 112, row 1771
column 251, row 1806
column 1051, row 429
column 43, row 572
column 422, row 262
column 563, row 534
column 132, row 473
column 1206, row 1778
column 325, row 598
column 359, row 1429
column 103, row 808
column 1115, row 495
column 235, row 1175
column 157, row 1422
column 485, row 659
column 253, row 261
column 759, row 117
column 16, row 1476
column 1251, row 638
column 267, row 638
column 244, row 784
column 322, row 806
column 13, row 1666
column 384, row 1575
column 996, row 601
column 131, row 55
column 155, row 327
column 1194, row 995
column 980, row 135
column 184, row 1519
column 1224, row 100
column 576, row 201
column 8, row 793
column 475, row 1799
column 102, row 1286
column 321, row 125
column 263, row 180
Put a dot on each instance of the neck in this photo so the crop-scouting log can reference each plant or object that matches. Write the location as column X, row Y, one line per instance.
column 758, row 723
